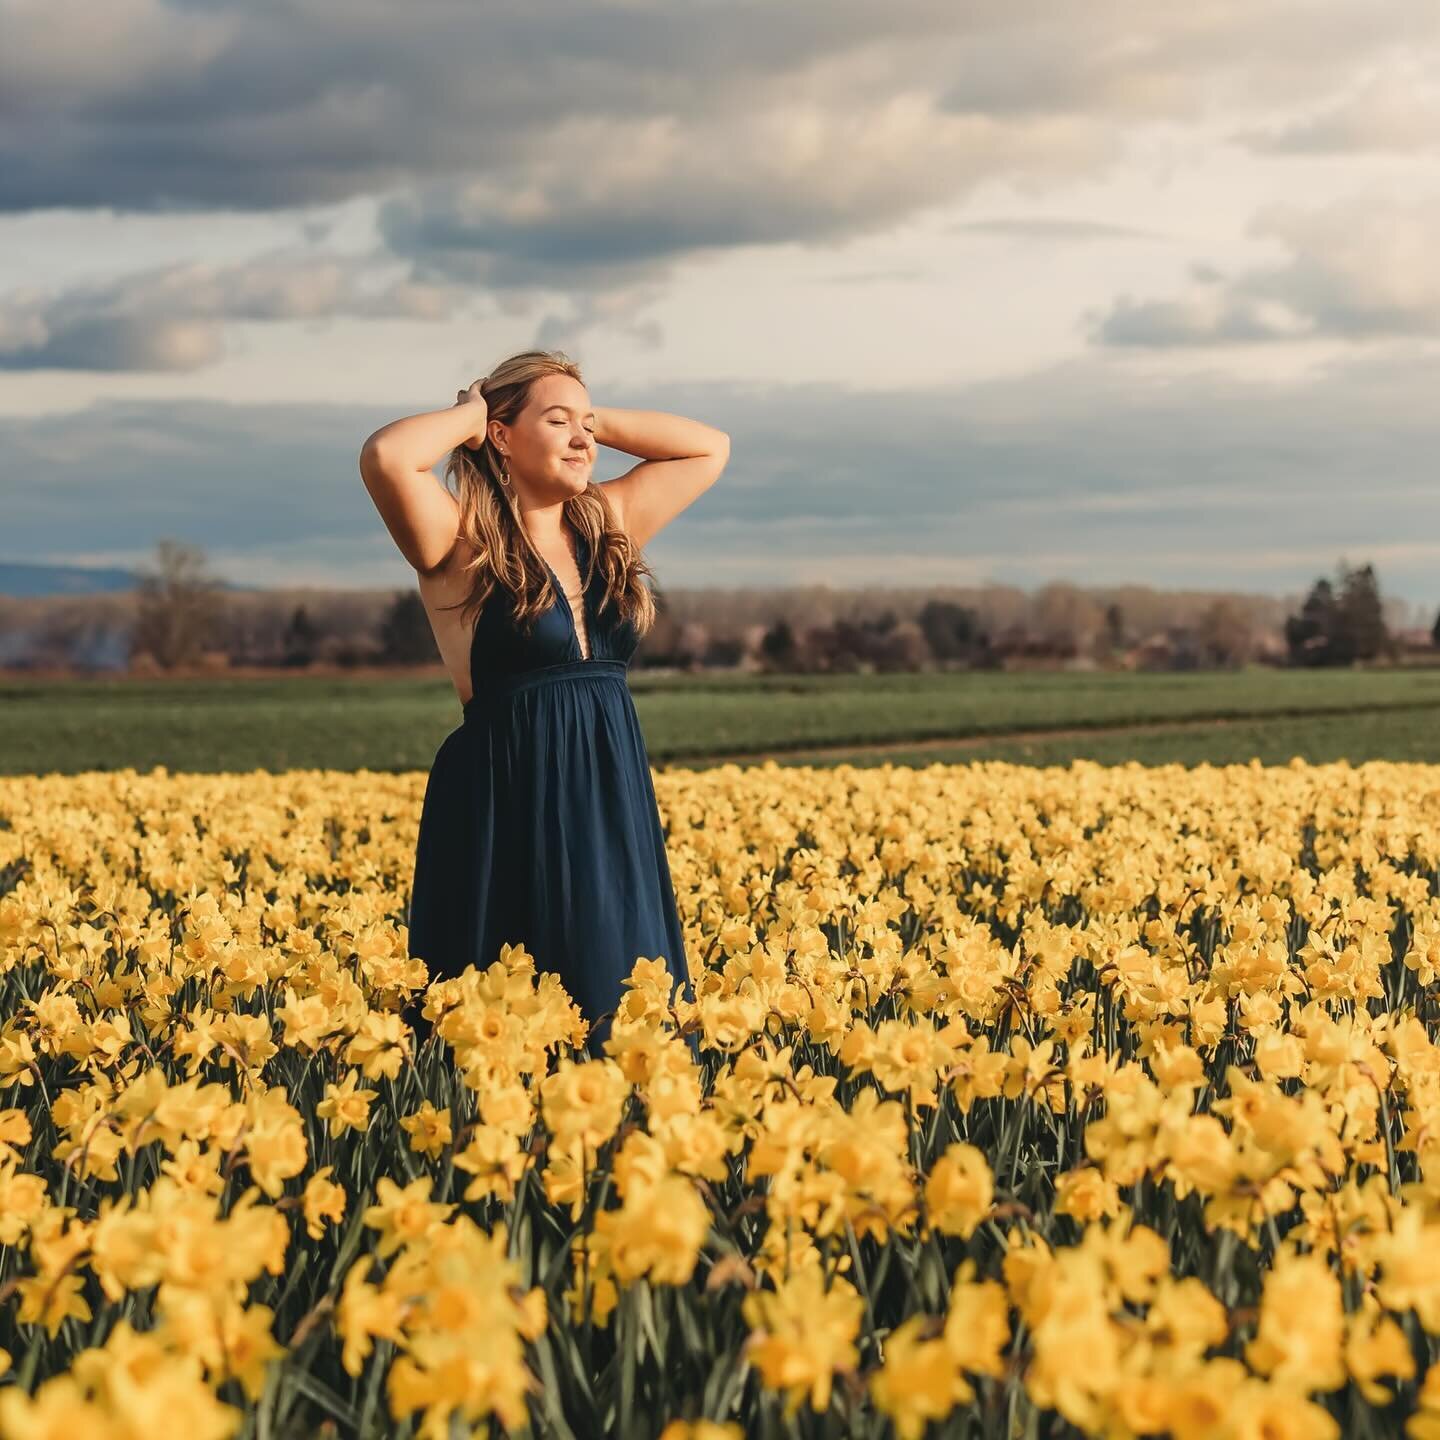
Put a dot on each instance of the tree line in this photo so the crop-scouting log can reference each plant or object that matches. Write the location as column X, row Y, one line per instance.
column 182, row 617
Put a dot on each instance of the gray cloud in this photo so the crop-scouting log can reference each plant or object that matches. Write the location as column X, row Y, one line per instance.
column 1204, row 317
column 583, row 132
column 173, row 318
column 242, row 482
column 807, row 171
column 258, row 106
column 1083, row 471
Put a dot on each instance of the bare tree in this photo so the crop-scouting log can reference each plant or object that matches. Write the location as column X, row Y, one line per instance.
column 1066, row 619
column 178, row 606
column 1226, row 633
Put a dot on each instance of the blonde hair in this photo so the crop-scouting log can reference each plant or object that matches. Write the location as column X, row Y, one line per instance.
column 504, row 555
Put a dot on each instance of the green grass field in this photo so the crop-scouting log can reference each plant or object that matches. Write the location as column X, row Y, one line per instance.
column 291, row 723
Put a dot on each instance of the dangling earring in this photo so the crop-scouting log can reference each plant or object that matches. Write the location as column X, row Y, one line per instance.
column 505, row 473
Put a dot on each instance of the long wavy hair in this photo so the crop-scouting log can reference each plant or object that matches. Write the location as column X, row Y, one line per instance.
column 503, row 554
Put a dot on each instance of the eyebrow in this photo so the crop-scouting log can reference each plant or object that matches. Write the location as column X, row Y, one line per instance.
column 590, row 414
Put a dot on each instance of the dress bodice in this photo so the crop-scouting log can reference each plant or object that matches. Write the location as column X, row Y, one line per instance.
column 499, row 649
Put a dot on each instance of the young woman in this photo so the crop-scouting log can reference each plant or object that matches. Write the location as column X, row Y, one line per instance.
column 539, row 824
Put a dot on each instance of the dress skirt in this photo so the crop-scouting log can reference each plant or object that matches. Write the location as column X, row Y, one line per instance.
column 540, row 826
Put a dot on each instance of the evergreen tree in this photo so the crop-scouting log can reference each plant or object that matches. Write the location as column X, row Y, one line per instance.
column 1360, row 631
column 301, row 638
column 1307, row 635
column 951, row 631
column 1337, row 626
column 777, row 646
column 1115, row 626
column 405, row 634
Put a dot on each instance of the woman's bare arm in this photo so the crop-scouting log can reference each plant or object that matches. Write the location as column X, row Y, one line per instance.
column 684, row 459
column 395, row 464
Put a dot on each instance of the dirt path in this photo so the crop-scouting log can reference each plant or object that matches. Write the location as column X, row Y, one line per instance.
column 999, row 737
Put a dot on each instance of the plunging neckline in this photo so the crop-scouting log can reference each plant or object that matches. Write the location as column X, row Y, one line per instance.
column 565, row 599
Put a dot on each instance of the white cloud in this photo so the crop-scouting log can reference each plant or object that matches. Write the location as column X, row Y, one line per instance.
column 1358, row 268
column 1389, row 107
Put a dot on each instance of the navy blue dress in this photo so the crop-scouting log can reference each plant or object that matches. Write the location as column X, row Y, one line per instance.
column 539, row 824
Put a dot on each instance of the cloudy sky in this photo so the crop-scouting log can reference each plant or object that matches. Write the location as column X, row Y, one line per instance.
column 1009, row 289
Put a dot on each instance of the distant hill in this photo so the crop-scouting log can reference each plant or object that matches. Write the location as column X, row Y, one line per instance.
column 34, row 581
column 31, row 580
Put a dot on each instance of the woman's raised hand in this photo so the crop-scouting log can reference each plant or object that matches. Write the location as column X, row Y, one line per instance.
column 473, row 396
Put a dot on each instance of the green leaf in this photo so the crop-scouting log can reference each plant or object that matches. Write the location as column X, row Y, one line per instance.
column 550, row 1391
column 313, row 1388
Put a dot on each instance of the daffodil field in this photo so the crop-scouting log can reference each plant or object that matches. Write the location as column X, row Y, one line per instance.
column 1013, row 1102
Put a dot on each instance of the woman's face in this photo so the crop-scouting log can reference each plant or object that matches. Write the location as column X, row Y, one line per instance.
column 550, row 444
